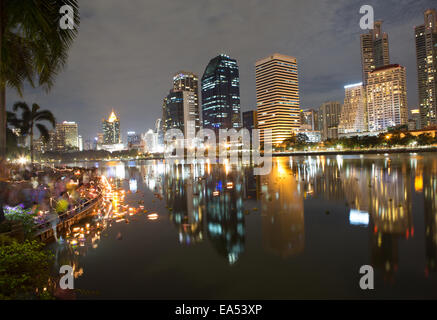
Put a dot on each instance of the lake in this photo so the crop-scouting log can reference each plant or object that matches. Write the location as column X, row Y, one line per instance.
column 303, row 231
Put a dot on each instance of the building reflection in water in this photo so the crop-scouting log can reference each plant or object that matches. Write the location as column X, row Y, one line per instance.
column 376, row 192
column 282, row 211
column 182, row 197
column 223, row 206
column 207, row 202
column 430, row 208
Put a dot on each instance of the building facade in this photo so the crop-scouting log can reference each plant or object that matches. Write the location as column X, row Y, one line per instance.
column 179, row 108
column 308, row 120
column 374, row 50
column 66, row 136
column 111, row 130
column 277, row 96
column 188, row 81
column 387, row 98
column 414, row 122
column 329, row 119
column 426, row 56
column 353, row 117
column 221, row 94
column 110, row 138
column 250, row 120
column 133, row 140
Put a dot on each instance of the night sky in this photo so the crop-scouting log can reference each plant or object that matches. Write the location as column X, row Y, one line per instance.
column 127, row 51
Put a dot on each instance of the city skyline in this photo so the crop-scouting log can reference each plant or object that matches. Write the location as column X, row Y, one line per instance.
column 141, row 80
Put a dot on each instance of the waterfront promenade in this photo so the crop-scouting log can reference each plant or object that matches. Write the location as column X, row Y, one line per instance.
column 41, row 202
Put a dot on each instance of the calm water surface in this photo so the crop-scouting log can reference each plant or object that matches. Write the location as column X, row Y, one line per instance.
column 303, row 231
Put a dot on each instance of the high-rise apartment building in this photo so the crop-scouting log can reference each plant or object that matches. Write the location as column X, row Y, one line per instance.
column 387, row 98
column 374, row 50
column 353, row 117
column 329, row 119
column 221, row 94
column 426, row 56
column 277, row 96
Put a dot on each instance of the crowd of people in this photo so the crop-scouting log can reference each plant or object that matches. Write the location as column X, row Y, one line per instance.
column 47, row 191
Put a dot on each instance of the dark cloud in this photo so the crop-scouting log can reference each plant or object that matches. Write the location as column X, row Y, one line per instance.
column 127, row 51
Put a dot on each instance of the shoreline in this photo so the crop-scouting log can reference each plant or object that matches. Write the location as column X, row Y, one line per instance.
column 288, row 154
column 352, row 152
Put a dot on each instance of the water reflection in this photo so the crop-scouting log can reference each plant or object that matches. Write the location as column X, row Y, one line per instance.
column 282, row 211
column 211, row 204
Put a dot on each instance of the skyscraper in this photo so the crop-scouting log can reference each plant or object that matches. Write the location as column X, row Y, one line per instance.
column 353, row 117
column 374, row 50
column 66, row 136
column 133, row 140
column 111, row 130
column 188, row 81
column 221, row 94
column 387, row 98
column 426, row 56
column 414, row 121
column 277, row 96
column 308, row 120
column 250, row 120
column 179, row 107
column 329, row 119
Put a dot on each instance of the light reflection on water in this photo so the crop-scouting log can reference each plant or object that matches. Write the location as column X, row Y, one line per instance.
column 304, row 230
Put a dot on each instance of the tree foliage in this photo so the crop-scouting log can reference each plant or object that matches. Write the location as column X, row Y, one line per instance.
column 24, row 269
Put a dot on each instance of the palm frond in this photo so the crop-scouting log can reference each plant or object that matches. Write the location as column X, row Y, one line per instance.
column 34, row 47
column 43, row 131
column 45, row 115
column 21, row 105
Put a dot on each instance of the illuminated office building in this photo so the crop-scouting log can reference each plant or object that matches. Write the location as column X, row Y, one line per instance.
column 309, row 120
column 110, row 139
column 221, row 94
column 329, row 119
column 188, row 81
column 374, row 50
column 426, row 56
column 387, row 98
column 353, row 117
column 277, row 96
column 111, row 130
column 66, row 136
column 133, row 140
column 414, row 122
column 179, row 108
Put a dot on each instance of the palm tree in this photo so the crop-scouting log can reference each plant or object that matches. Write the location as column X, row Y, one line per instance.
column 29, row 119
column 33, row 47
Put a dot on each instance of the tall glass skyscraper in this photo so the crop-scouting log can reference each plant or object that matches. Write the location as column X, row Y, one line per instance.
column 221, row 94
